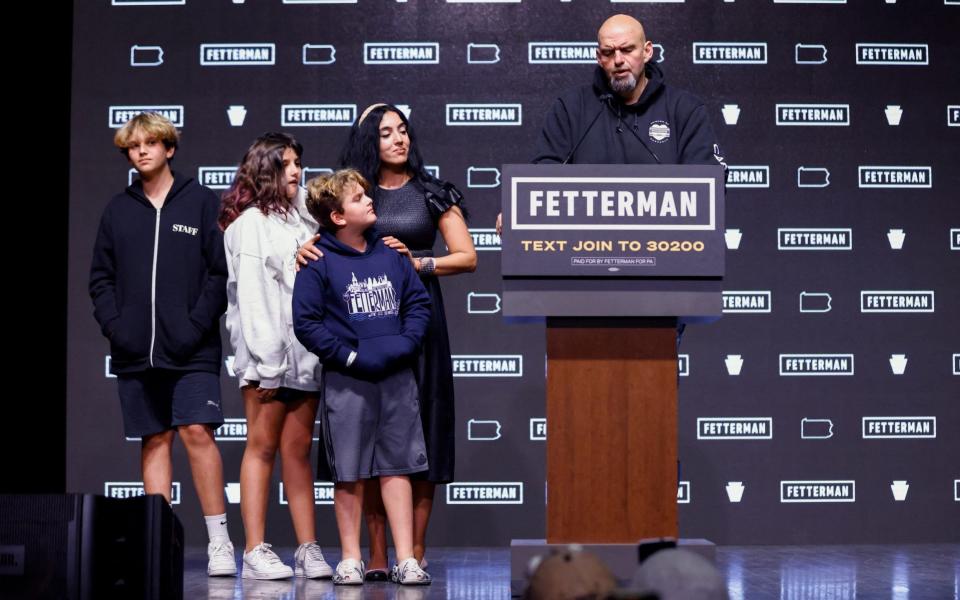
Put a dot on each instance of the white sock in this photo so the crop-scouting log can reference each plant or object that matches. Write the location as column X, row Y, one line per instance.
column 217, row 528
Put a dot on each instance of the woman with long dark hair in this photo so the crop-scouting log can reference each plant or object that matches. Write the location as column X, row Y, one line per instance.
column 412, row 206
column 265, row 219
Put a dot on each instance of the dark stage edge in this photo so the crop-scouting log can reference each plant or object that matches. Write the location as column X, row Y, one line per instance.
column 915, row 571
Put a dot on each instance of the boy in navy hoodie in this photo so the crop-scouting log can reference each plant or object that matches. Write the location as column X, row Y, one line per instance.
column 363, row 310
column 158, row 284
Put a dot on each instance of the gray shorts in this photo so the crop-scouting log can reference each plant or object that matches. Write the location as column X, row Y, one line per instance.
column 158, row 400
column 372, row 429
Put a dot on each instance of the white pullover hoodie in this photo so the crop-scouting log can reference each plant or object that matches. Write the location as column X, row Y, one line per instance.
column 261, row 264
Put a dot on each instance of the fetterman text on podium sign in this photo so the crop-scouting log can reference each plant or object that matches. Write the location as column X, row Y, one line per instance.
column 613, row 256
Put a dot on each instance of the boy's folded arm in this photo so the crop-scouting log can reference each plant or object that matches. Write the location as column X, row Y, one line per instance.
column 382, row 354
column 394, row 348
column 372, row 358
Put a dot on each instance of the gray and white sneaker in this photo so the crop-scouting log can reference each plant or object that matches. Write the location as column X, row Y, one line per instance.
column 408, row 572
column 349, row 572
column 308, row 562
column 221, row 561
column 263, row 563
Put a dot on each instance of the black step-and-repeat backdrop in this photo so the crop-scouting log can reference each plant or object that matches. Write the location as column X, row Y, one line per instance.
column 823, row 407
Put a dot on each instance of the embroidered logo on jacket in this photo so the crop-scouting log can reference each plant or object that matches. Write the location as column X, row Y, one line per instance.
column 659, row 131
column 372, row 298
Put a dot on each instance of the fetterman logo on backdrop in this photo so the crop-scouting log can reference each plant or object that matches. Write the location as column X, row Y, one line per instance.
column 884, row 428
column 550, row 53
column 748, row 176
column 322, row 493
column 487, row 365
column 813, row 114
column 216, row 178
column 232, row 430
column 132, row 489
column 893, row 54
column 818, row 491
column 318, row 115
column 816, row 364
column 895, row 177
column 897, row 301
column 485, row 239
column 401, row 53
column 236, row 55
column 485, row 492
column 757, row 301
column 805, row 238
column 484, row 114
column 741, row 53
column 735, row 428
column 118, row 115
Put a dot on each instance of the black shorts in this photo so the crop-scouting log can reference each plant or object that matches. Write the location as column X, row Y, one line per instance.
column 158, row 400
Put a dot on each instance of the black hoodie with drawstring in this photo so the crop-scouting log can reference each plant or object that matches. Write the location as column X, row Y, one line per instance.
column 665, row 126
column 158, row 279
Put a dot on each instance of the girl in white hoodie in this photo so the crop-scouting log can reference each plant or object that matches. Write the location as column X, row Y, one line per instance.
column 265, row 220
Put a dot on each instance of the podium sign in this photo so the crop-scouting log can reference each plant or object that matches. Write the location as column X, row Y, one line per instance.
column 613, row 241
column 613, row 221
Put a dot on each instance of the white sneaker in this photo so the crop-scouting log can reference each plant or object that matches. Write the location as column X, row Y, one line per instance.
column 408, row 572
column 263, row 563
column 308, row 562
column 221, row 559
column 349, row 572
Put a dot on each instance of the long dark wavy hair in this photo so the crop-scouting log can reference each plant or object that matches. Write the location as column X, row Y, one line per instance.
column 362, row 150
column 259, row 181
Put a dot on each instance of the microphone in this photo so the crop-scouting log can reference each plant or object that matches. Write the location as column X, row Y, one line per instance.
column 606, row 100
column 603, row 98
column 637, row 135
column 635, row 130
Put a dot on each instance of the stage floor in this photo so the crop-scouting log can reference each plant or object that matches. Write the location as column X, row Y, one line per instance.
column 917, row 572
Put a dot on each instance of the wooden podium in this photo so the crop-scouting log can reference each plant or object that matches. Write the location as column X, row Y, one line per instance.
column 613, row 257
column 612, row 430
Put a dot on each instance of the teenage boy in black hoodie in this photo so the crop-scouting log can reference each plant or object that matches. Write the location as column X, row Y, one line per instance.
column 158, row 283
column 363, row 310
